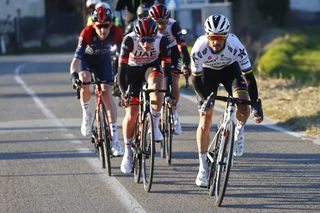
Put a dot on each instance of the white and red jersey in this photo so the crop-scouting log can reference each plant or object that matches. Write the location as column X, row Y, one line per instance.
column 203, row 56
column 134, row 55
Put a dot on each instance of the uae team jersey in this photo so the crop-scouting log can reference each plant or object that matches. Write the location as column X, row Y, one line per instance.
column 203, row 56
column 133, row 54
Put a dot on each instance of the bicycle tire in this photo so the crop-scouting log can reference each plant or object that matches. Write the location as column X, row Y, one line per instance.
column 148, row 151
column 212, row 151
column 168, row 133
column 163, row 131
column 104, row 125
column 224, row 161
column 137, row 152
column 94, row 136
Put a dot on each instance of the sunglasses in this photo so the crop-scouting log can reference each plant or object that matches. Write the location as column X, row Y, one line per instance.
column 148, row 39
column 100, row 26
column 162, row 21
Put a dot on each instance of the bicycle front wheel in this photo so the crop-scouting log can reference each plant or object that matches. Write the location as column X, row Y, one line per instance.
column 224, row 162
column 212, row 159
column 148, row 151
column 168, row 132
column 137, row 152
column 105, row 140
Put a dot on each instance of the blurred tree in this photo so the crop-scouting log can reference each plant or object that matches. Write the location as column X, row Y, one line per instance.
column 276, row 10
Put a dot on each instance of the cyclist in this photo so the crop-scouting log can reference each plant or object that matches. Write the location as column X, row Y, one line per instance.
column 171, row 29
column 219, row 57
column 90, row 4
column 143, row 53
column 93, row 56
column 142, row 12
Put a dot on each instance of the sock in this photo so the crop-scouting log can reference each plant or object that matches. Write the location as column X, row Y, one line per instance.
column 240, row 127
column 155, row 117
column 175, row 113
column 203, row 161
column 114, row 132
column 85, row 108
column 127, row 146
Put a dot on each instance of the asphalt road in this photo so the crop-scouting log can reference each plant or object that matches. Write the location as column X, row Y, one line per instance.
column 47, row 166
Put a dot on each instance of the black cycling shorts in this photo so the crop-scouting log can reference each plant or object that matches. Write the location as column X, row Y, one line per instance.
column 230, row 76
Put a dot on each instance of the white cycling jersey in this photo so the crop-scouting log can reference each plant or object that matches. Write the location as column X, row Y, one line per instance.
column 203, row 56
column 169, row 34
column 139, row 57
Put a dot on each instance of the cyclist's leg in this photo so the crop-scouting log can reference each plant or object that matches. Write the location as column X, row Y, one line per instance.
column 154, row 78
column 176, row 70
column 85, row 76
column 131, row 112
column 237, row 86
column 104, row 73
column 210, row 80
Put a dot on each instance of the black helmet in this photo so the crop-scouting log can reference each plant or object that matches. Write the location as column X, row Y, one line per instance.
column 146, row 27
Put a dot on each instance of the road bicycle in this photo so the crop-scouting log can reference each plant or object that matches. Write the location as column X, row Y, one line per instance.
column 220, row 150
column 167, row 126
column 143, row 141
column 167, row 129
column 100, row 128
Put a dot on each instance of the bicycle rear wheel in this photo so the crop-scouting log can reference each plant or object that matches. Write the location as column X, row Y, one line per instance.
column 137, row 152
column 148, row 151
column 104, row 140
column 224, row 161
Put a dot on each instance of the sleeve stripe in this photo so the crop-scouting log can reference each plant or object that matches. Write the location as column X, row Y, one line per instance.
column 197, row 73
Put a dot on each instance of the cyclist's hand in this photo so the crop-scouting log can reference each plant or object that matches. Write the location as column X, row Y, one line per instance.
column 124, row 101
column 206, row 106
column 257, row 111
column 76, row 82
column 186, row 71
column 169, row 100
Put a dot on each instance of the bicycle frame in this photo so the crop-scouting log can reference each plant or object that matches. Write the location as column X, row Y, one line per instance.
column 220, row 150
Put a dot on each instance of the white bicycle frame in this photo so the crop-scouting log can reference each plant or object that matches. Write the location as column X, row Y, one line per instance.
column 229, row 114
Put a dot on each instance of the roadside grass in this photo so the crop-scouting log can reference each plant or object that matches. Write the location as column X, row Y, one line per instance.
column 289, row 81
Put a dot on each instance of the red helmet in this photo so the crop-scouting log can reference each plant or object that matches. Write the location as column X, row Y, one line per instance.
column 158, row 11
column 146, row 27
column 101, row 14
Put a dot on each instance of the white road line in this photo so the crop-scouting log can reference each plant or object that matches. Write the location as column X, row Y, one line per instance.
column 119, row 191
column 266, row 123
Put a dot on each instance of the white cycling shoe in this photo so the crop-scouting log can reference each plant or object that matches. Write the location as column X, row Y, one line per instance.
column 238, row 142
column 202, row 178
column 126, row 164
column 116, row 150
column 86, row 125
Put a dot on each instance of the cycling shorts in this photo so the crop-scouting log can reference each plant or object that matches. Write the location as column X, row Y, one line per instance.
column 230, row 77
column 100, row 66
column 136, row 75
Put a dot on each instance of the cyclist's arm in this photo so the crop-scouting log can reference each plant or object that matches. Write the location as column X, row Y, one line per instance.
column 75, row 65
column 118, row 36
column 198, row 85
column 165, row 56
column 126, row 48
column 182, row 45
column 252, row 85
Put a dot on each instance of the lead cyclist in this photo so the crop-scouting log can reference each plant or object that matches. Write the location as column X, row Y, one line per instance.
column 218, row 57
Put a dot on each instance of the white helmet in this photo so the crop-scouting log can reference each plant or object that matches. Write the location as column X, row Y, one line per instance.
column 216, row 24
column 103, row 4
column 91, row 3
